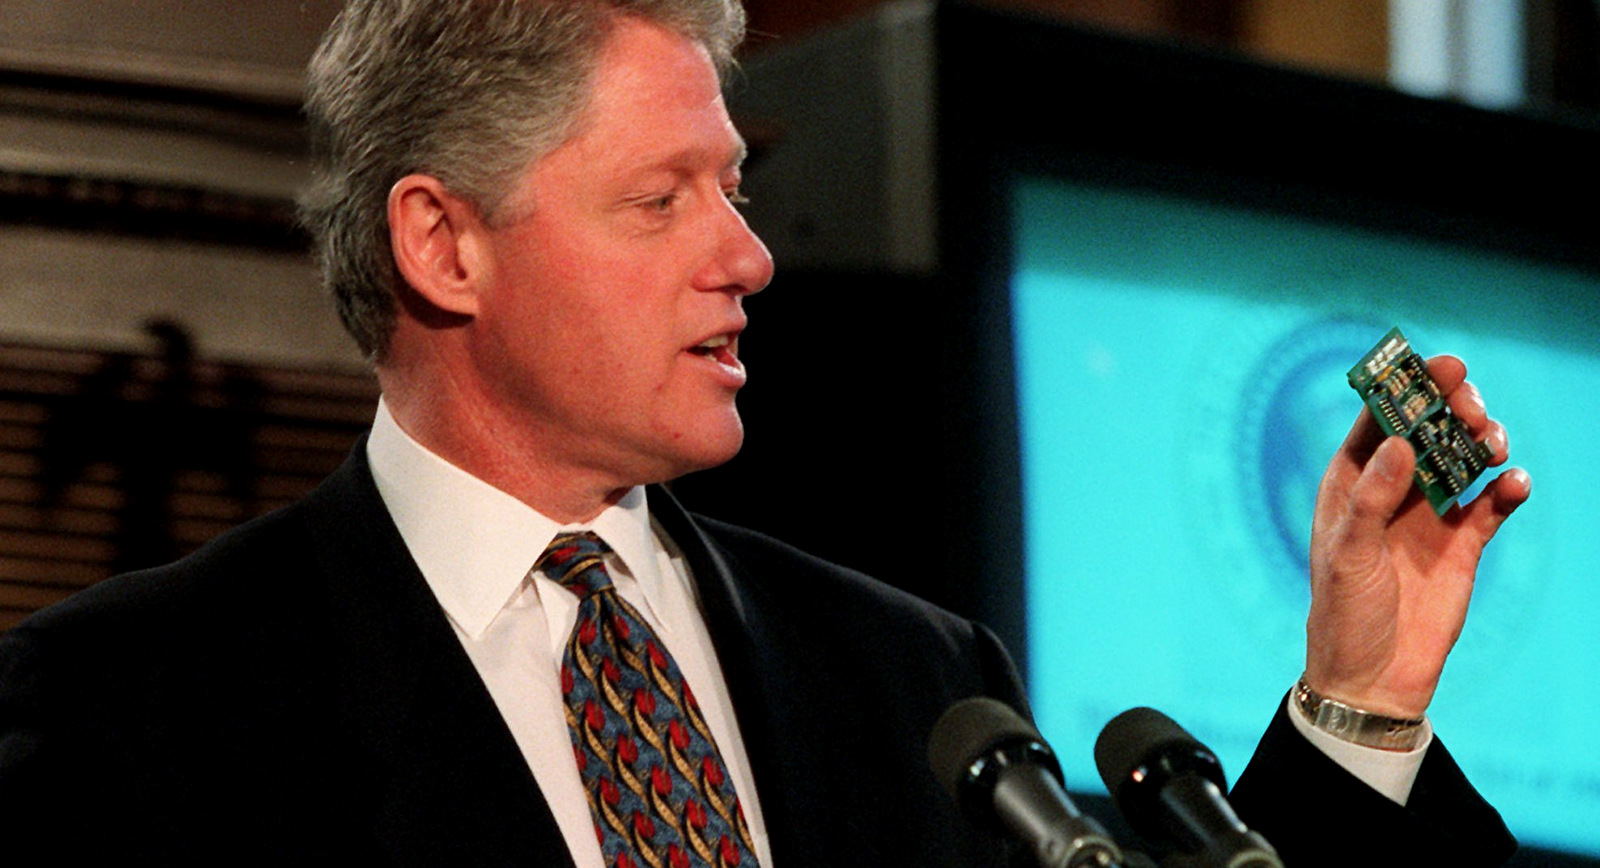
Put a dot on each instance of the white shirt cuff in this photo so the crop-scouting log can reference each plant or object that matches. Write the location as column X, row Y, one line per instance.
column 1390, row 772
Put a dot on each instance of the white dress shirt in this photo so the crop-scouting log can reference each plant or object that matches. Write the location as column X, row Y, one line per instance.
column 476, row 547
column 1391, row 772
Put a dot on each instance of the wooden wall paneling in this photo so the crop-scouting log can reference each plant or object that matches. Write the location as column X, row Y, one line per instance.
column 113, row 460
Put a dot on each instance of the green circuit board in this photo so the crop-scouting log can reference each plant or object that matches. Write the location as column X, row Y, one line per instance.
column 1394, row 381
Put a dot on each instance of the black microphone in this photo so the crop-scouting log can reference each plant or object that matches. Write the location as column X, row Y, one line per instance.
column 998, row 767
column 1170, row 789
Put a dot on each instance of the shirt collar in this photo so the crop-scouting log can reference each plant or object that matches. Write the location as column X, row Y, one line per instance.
column 476, row 544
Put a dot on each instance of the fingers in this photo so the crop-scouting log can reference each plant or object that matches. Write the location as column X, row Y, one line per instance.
column 1498, row 500
column 1467, row 403
column 1468, row 406
column 1353, row 512
column 1371, row 473
column 1498, row 444
column 1448, row 371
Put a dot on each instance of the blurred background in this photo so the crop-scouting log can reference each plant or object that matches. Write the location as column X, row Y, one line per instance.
column 1079, row 278
column 166, row 356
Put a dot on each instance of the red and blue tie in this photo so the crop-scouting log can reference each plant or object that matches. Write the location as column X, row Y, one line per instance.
column 657, row 787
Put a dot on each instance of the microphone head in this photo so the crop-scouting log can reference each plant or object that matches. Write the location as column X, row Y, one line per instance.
column 973, row 729
column 1141, row 749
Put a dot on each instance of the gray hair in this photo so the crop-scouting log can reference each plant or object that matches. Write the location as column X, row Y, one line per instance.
column 470, row 92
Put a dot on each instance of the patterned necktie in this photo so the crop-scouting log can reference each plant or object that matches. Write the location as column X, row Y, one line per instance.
column 658, row 790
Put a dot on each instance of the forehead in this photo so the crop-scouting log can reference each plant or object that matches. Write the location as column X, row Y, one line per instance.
column 654, row 95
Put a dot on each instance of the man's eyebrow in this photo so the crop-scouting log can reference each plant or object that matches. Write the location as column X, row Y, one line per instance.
column 683, row 162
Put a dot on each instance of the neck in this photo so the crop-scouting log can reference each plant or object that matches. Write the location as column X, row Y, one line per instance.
column 522, row 462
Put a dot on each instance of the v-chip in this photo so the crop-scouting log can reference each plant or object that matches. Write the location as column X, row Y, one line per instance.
column 1394, row 381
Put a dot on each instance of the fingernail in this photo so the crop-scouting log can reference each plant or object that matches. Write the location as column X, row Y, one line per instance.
column 1498, row 444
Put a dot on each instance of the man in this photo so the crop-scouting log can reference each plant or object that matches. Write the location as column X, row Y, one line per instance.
column 527, row 216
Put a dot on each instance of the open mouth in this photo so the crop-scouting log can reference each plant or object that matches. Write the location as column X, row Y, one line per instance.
column 719, row 349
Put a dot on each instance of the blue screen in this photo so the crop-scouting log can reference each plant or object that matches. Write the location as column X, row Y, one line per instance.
column 1181, row 386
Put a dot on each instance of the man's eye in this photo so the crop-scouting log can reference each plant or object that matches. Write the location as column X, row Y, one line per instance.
column 663, row 203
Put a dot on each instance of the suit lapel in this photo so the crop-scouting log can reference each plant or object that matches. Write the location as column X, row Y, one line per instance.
column 448, row 782
column 759, row 653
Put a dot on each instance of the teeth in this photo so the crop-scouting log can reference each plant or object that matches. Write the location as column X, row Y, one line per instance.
column 715, row 343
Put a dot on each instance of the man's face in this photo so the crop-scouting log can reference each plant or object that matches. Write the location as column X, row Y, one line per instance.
column 610, row 328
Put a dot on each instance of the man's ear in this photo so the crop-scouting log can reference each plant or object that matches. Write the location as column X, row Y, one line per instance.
column 437, row 242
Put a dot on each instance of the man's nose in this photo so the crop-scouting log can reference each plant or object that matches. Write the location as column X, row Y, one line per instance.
column 741, row 264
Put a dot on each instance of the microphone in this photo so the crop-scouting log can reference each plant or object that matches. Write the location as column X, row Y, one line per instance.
column 1170, row 789
column 998, row 768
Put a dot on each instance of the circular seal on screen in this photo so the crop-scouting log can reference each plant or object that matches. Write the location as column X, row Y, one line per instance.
column 1295, row 414
column 1295, row 409
column 1278, row 411
column 1265, row 416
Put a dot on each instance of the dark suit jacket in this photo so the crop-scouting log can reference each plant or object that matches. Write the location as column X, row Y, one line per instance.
column 292, row 694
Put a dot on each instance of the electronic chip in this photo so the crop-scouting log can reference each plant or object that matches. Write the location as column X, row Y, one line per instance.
column 1395, row 383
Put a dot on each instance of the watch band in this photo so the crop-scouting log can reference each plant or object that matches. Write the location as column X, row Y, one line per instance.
column 1348, row 723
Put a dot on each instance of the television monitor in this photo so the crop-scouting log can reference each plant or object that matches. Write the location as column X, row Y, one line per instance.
column 1181, row 384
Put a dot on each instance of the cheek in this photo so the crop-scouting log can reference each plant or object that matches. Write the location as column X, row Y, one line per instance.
column 605, row 310
column 620, row 350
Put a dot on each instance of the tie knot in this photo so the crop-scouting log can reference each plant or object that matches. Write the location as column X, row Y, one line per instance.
column 577, row 561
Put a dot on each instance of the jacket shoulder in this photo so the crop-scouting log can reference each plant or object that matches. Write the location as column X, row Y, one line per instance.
column 766, row 561
column 834, row 609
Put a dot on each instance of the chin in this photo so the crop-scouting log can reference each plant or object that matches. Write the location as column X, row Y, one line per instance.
column 710, row 445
